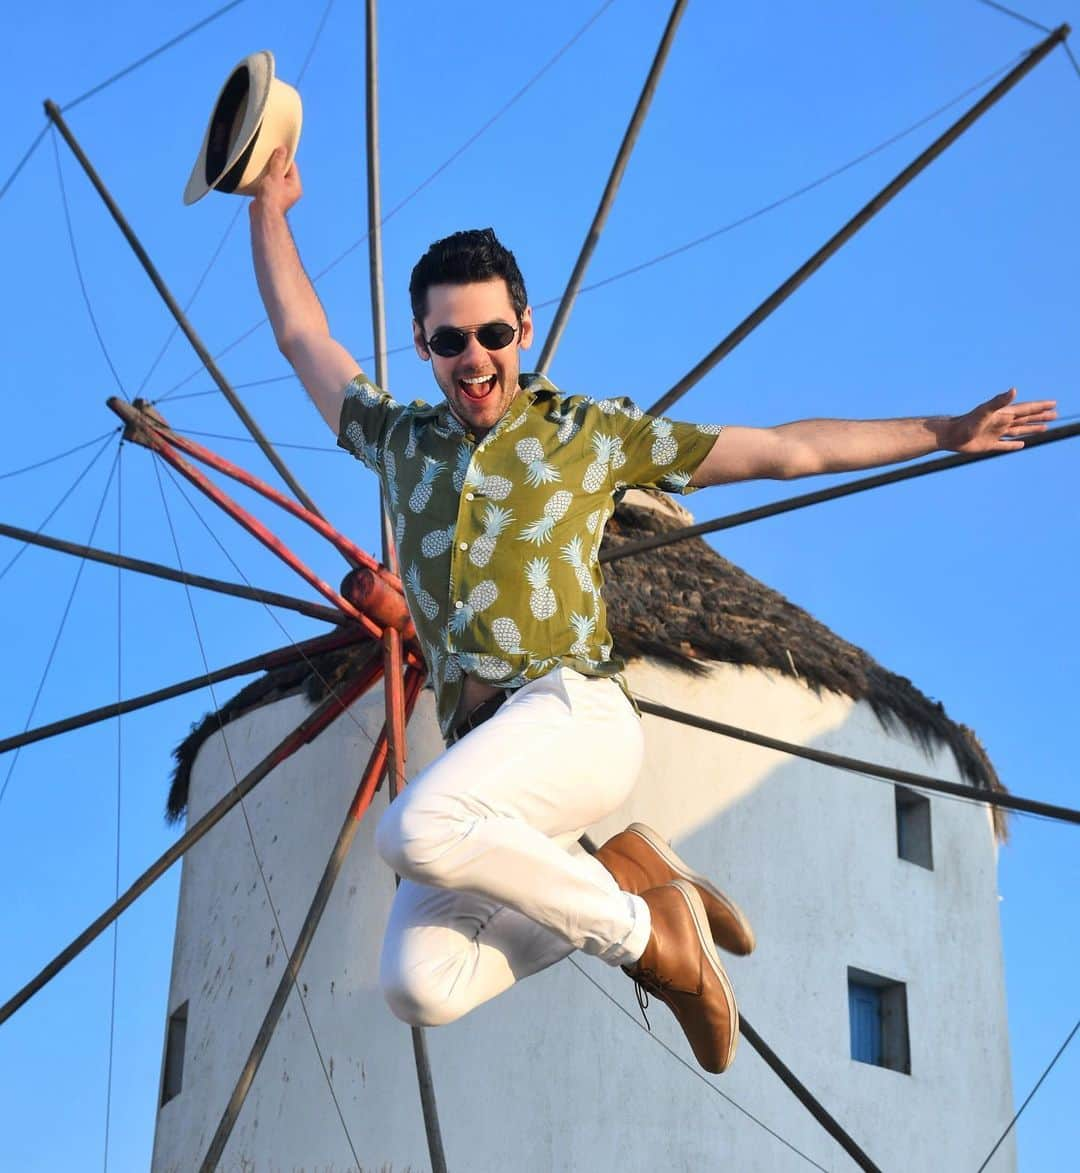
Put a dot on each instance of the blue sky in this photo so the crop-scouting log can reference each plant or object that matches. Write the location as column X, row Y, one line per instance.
column 965, row 285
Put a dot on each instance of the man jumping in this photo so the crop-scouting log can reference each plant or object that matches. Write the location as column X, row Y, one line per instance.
column 499, row 496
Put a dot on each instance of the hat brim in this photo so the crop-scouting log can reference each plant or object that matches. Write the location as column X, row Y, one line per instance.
column 251, row 100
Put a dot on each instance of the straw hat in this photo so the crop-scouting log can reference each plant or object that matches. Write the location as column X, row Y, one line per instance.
column 253, row 114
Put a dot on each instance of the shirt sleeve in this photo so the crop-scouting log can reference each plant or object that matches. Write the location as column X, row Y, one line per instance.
column 367, row 415
column 656, row 453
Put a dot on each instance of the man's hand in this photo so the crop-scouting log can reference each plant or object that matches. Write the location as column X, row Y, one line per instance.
column 279, row 188
column 994, row 426
column 807, row 447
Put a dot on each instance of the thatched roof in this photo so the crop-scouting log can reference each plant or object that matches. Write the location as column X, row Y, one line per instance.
column 687, row 604
column 683, row 605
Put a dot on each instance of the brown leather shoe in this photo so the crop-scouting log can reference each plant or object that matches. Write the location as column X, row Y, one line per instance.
column 680, row 967
column 639, row 859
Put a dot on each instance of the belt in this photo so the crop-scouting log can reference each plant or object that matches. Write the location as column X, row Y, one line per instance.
column 477, row 715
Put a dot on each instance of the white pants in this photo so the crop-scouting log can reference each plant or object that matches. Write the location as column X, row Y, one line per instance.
column 494, row 885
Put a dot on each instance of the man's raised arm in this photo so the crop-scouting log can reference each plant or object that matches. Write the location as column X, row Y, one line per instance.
column 815, row 446
column 300, row 326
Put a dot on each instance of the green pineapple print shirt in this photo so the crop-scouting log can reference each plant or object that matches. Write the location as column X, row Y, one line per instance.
column 498, row 539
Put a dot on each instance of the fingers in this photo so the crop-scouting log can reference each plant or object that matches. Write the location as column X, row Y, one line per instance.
column 279, row 168
column 1002, row 410
column 1044, row 410
column 998, row 424
column 1031, row 405
column 1025, row 420
column 1015, row 433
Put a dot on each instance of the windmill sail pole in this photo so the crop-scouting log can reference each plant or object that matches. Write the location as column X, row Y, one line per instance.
column 392, row 654
column 892, row 476
column 53, row 111
column 592, row 238
column 364, row 793
column 391, row 642
column 805, row 1097
column 157, row 570
column 264, row 662
column 777, row 298
column 312, row 725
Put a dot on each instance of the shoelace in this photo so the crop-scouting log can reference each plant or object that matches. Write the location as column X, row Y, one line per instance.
column 646, row 982
column 643, row 1002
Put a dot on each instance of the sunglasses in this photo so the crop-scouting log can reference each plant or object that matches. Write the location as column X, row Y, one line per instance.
column 449, row 341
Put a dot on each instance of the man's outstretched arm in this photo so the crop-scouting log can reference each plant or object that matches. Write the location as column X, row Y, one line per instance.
column 297, row 317
column 815, row 446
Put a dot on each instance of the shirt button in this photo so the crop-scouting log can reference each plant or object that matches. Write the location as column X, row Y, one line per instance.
column 470, row 496
column 463, row 545
column 458, row 605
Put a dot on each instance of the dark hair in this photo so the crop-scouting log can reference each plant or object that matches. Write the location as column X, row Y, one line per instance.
column 473, row 255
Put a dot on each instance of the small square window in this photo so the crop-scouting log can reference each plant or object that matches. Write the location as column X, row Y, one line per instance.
column 173, row 1075
column 877, row 1010
column 913, row 841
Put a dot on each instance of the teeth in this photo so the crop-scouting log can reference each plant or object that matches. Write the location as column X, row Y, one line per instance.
column 478, row 379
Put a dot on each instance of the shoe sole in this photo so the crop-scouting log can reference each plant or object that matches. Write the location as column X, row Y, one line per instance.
column 680, row 868
column 701, row 925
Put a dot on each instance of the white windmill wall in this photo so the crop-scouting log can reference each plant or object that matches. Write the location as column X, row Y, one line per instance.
column 552, row 1076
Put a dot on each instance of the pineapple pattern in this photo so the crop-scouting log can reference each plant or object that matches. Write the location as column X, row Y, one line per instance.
column 495, row 521
column 542, row 601
column 461, row 466
column 503, row 579
column 537, row 470
column 367, row 393
column 452, row 665
column 592, row 558
column 675, row 482
column 626, row 406
column 665, row 447
column 583, row 627
column 508, row 636
column 414, row 436
column 420, row 597
column 371, row 456
column 497, row 488
column 391, row 482
column 569, row 427
column 486, row 667
column 608, row 455
column 538, row 532
column 480, row 598
column 421, row 495
column 573, row 554
column 451, row 425
column 437, row 542
column 368, row 453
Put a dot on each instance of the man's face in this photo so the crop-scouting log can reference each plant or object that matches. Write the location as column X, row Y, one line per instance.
column 479, row 384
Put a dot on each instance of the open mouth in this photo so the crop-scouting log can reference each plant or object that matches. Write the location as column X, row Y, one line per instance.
column 477, row 388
